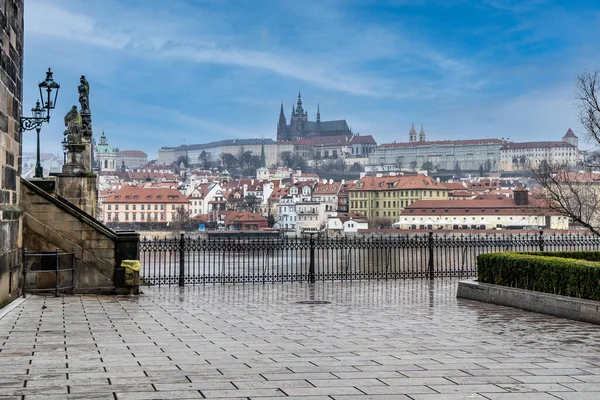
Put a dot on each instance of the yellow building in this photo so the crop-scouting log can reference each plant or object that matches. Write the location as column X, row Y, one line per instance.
column 386, row 196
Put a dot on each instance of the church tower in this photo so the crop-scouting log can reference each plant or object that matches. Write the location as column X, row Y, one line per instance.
column 281, row 126
column 422, row 134
column 412, row 135
column 105, row 155
column 299, row 119
column 318, row 119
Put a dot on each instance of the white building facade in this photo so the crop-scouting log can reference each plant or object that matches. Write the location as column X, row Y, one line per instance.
column 524, row 155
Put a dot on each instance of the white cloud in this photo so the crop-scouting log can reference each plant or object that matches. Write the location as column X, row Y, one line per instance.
column 336, row 69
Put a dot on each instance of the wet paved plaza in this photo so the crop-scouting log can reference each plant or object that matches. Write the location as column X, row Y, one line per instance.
column 375, row 340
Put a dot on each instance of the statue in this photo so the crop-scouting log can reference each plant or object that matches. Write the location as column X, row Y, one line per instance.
column 84, row 101
column 73, row 124
column 84, row 95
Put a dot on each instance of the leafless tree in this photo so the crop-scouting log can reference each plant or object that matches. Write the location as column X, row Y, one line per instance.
column 574, row 194
column 588, row 100
column 181, row 220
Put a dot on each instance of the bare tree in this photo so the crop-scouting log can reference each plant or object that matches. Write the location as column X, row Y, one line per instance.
column 399, row 163
column 181, row 221
column 380, row 223
column 228, row 160
column 575, row 194
column 572, row 194
column 588, row 100
column 204, row 159
column 428, row 166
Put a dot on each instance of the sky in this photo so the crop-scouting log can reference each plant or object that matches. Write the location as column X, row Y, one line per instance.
column 173, row 72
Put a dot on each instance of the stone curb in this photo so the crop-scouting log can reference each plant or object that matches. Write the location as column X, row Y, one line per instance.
column 543, row 303
column 13, row 304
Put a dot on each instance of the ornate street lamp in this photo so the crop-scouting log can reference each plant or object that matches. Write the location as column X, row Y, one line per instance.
column 38, row 114
column 43, row 106
column 48, row 85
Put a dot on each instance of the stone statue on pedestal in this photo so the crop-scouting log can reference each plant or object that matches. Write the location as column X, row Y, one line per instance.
column 84, row 94
column 73, row 124
column 84, row 101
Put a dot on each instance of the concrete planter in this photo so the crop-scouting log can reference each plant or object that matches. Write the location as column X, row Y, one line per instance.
column 544, row 303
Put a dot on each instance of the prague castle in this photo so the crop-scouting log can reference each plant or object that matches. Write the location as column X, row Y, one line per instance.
column 300, row 127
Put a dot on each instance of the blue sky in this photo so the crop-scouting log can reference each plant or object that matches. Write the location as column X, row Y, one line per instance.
column 164, row 73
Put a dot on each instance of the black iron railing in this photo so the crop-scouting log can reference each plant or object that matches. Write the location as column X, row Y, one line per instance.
column 183, row 260
column 49, row 272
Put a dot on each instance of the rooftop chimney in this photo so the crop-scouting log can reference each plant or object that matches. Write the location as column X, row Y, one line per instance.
column 521, row 196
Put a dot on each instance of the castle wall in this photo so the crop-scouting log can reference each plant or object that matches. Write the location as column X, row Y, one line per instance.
column 11, row 95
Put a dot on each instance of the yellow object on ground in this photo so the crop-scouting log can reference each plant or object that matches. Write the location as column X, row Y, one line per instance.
column 132, row 271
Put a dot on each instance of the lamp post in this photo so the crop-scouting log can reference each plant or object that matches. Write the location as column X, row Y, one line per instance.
column 38, row 113
column 46, row 102
column 64, row 146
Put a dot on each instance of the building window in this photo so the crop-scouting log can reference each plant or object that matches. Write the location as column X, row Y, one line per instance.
column 109, row 216
column 142, row 207
column 156, row 207
column 127, row 206
column 116, row 206
column 162, row 206
column 109, row 206
column 133, row 206
column 126, row 216
column 133, row 215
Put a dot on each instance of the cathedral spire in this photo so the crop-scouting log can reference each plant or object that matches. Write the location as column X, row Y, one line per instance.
column 318, row 113
column 281, row 125
column 299, row 109
column 412, row 135
column 263, row 160
column 422, row 134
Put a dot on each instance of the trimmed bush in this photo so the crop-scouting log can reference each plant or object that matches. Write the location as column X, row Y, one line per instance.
column 575, row 274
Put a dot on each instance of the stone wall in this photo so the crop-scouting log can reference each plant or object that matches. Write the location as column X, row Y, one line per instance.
column 11, row 94
column 80, row 190
column 50, row 223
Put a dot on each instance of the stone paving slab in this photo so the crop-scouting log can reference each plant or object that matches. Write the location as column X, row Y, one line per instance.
column 408, row 340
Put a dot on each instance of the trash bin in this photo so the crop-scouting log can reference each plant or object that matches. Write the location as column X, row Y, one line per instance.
column 132, row 272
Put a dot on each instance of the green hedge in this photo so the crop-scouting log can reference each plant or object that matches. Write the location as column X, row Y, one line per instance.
column 575, row 274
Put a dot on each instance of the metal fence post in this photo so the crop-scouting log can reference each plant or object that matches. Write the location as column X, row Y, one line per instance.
column 24, row 270
column 73, row 270
column 311, row 267
column 181, row 259
column 57, row 269
column 431, row 271
column 541, row 240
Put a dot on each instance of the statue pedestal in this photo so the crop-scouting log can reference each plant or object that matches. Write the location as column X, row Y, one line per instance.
column 76, row 183
column 75, row 160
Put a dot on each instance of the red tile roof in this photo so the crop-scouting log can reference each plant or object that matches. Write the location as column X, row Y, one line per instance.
column 367, row 139
column 327, row 188
column 401, row 182
column 505, row 206
column 350, row 216
column 136, row 153
column 242, row 216
column 468, row 142
column 454, row 186
column 134, row 194
column 535, row 145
